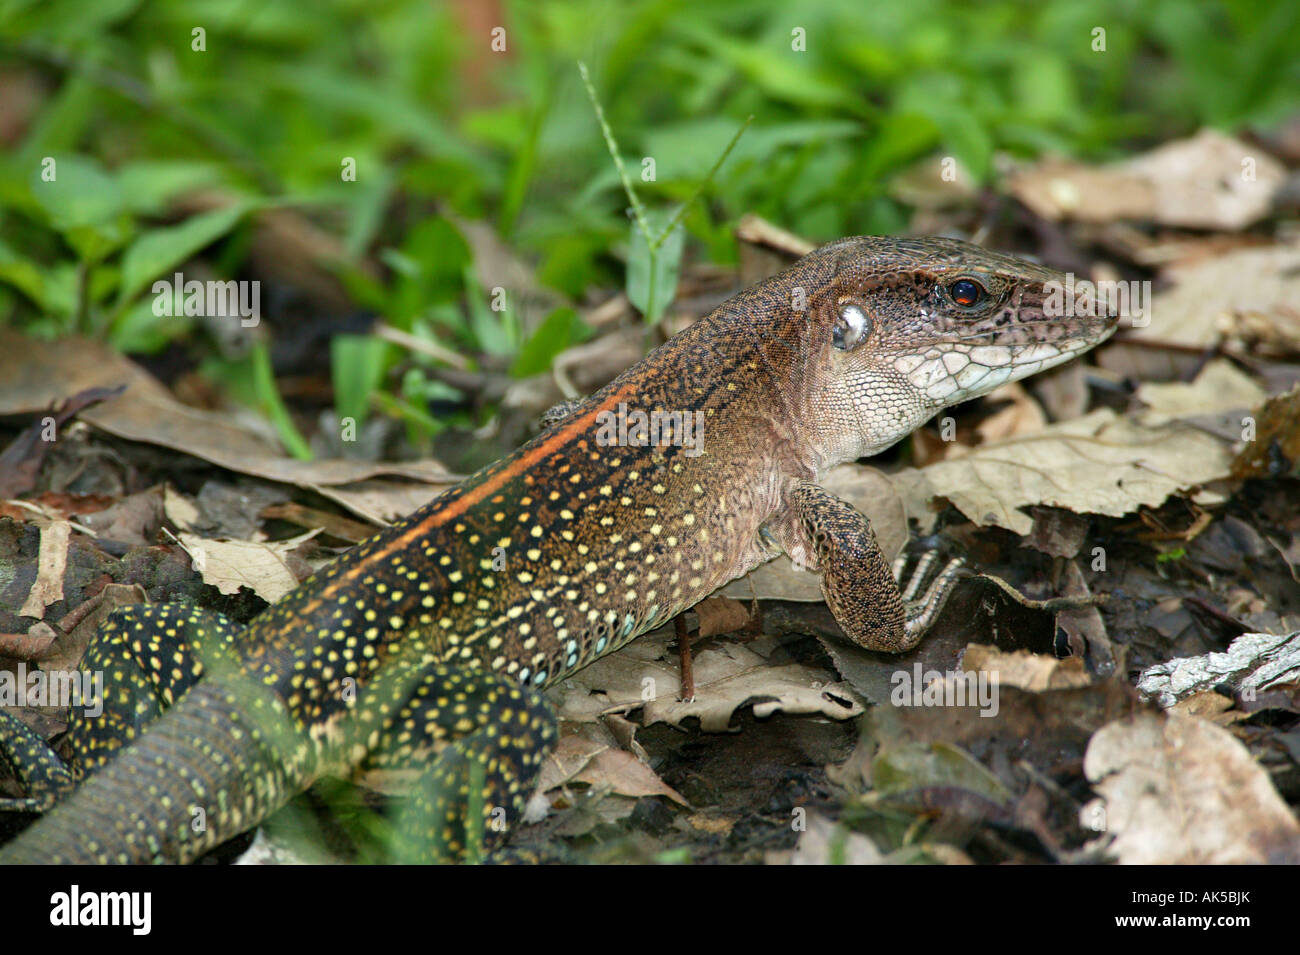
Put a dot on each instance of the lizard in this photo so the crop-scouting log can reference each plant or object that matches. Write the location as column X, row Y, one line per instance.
column 426, row 648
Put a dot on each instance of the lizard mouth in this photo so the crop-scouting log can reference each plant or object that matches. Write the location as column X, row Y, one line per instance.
column 958, row 369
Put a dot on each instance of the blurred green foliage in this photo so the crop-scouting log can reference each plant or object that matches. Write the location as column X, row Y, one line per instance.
column 444, row 129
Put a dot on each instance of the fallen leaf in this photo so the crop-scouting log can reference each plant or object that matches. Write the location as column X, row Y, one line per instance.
column 261, row 567
column 1177, row 790
column 1035, row 672
column 37, row 374
column 1097, row 464
column 1198, row 183
column 728, row 676
column 721, row 615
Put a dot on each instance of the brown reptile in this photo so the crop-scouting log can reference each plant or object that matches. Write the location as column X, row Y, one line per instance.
column 427, row 647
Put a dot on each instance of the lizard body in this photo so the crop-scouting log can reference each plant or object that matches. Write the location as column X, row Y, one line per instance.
column 427, row 646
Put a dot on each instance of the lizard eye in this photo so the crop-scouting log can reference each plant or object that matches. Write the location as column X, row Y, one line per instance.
column 851, row 326
column 966, row 292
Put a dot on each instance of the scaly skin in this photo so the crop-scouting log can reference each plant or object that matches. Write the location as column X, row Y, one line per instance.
column 445, row 627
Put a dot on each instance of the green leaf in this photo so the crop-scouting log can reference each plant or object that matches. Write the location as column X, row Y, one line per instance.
column 160, row 250
column 496, row 330
column 358, row 364
column 22, row 274
column 146, row 185
column 268, row 397
column 80, row 194
column 560, row 329
column 652, row 273
column 138, row 331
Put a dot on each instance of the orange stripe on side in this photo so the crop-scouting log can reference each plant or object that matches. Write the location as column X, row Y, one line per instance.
column 476, row 494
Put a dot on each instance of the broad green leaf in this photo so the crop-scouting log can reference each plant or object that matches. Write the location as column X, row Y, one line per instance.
column 22, row 274
column 159, row 250
column 138, row 331
column 81, row 192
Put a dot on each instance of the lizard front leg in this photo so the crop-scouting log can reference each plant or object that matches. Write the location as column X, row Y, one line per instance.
column 824, row 534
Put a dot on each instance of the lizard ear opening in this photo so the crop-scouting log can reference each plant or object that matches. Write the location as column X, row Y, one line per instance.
column 851, row 327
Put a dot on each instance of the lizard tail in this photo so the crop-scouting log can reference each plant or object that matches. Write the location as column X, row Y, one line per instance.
column 211, row 767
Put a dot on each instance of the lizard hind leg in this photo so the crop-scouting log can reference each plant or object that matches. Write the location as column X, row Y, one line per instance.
column 140, row 662
column 476, row 741
column 38, row 768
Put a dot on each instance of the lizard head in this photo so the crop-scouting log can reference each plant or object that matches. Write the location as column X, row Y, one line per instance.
column 915, row 325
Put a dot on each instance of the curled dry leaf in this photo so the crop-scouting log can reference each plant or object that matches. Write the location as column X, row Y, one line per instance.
column 721, row 615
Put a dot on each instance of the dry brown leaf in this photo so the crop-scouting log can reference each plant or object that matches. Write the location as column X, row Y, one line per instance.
column 620, row 772
column 182, row 512
column 728, row 676
column 1035, row 672
column 1022, row 416
column 37, row 374
column 1209, row 181
column 1226, row 297
column 1276, row 439
column 1219, row 387
column 379, row 501
column 1097, row 464
column 1177, row 790
column 721, row 615
column 261, row 567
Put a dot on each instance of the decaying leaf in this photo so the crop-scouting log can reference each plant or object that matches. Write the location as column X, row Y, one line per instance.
column 584, row 757
column 1035, row 672
column 1180, row 790
column 261, row 567
column 1275, row 448
column 1241, row 294
column 721, row 615
column 1219, row 387
column 38, row 374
